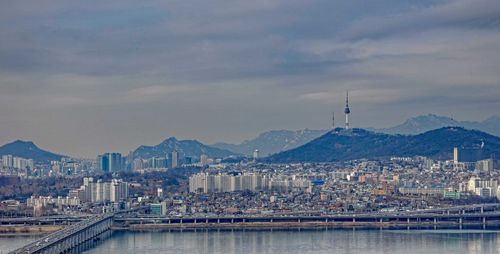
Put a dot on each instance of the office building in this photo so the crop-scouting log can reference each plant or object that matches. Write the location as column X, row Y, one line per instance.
column 103, row 162
column 158, row 208
column 110, row 162
column 115, row 162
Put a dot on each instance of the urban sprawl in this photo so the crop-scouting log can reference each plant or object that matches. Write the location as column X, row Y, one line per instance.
column 178, row 187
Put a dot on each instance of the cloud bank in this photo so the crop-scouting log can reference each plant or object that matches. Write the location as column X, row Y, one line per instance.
column 94, row 76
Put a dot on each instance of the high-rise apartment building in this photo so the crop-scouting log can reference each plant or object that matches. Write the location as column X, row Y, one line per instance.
column 174, row 159
column 455, row 155
column 8, row 161
column 99, row 191
column 203, row 160
column 484, row 165
column 255, row 155
column 206, row 183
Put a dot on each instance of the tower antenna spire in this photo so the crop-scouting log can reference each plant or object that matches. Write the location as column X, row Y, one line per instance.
column 347, row 111
column 333, row 120
column 347, row 98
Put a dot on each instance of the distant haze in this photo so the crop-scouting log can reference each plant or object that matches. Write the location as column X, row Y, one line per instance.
column 81, row 78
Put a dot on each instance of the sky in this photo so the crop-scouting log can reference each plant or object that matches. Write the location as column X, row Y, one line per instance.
column 85, row 77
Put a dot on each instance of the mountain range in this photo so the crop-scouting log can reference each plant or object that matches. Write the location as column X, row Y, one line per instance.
column 423, row 123
column 339, row 145
column 276, row 141
column 272, row 141
column 28, row 150
column 185, row 148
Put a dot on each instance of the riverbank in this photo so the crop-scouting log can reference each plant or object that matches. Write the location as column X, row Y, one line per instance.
column 19, row 230
column 27, row 230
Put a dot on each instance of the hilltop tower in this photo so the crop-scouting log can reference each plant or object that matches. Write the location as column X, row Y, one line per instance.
column 347, row 111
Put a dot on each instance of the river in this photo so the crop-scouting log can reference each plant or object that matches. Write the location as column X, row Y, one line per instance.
column 292, row 242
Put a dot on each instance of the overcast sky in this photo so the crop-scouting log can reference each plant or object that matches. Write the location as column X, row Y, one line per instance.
column 94, row 76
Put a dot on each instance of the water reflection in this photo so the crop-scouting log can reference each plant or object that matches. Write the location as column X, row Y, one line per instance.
column 10, row 243
column 302, row 241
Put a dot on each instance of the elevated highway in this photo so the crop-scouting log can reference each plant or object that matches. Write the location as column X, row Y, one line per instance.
column 368, row 220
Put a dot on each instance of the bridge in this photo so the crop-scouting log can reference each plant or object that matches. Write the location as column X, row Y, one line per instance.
column 458, row 221
column 480, row 216
column 46, row 220
column 70, row 237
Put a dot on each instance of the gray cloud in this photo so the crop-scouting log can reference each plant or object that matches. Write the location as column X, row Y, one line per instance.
column 88, row 77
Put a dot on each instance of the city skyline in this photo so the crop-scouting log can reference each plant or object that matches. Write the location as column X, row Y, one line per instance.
column 87, row 78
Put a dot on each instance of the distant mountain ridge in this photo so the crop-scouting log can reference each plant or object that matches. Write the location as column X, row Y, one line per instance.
column 342, row 145
column 423, row 123
column 185, row 148
column 28, row 150
column 273, row 141
column 276, row 141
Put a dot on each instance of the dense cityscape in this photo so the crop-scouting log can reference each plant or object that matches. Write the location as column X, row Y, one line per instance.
column 208, row 186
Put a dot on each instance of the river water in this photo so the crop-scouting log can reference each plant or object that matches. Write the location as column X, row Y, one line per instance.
column 8, row 243
column 293, row 242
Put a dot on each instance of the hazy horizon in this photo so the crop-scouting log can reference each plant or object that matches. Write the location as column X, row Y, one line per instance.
column 88, row 77
column 161, row 139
